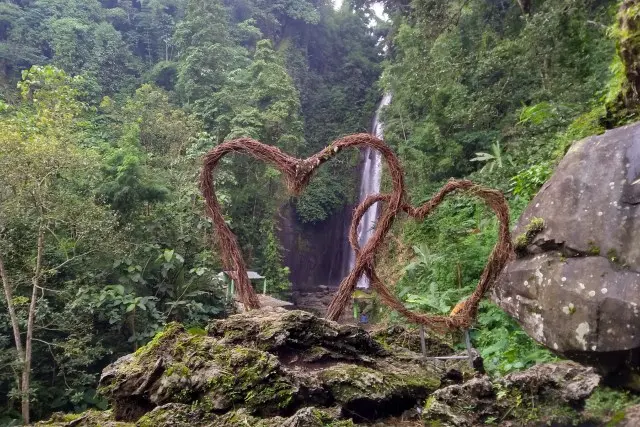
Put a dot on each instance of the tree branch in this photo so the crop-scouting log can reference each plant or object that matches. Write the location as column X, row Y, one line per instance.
column 70, row 259
column 8, row 294
column 26, row 371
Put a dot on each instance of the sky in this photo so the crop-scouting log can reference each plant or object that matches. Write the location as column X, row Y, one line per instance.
column 378, row 7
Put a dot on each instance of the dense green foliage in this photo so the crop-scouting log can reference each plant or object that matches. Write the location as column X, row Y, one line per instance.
column 105, row 109
column 107, row 105
column 495, row 93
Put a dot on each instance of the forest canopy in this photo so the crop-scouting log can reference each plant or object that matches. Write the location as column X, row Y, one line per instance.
column 106, row 107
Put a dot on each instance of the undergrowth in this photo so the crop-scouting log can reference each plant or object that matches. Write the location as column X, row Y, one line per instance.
column 607, row 403
column 450, row 251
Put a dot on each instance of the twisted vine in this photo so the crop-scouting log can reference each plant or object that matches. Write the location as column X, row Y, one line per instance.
column 297, row 174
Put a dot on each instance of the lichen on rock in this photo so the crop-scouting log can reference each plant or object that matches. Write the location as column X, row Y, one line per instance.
column 177, row 367
column 575, row 287
column 180, row 415
column 398, row 338
column 297, row 332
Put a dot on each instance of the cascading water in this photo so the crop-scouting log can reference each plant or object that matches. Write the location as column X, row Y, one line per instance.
column 319, row 255
column 370, row 184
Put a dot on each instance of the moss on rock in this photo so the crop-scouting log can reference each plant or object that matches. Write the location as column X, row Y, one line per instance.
column 179, row 415
column 182, row 368
column 550, row 394
column 263, row 366
column 89, row 418
column 535, row 226
column 623, row 101
column 351, row 382
column 399, row 338
column 296, row 332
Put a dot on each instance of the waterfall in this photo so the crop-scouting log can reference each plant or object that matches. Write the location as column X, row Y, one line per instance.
column 370, row 184
column 319, row 256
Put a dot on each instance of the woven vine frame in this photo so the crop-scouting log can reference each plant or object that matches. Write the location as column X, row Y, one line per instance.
column 297, row 174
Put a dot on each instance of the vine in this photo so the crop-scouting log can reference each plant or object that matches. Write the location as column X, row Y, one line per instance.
column 297, row 174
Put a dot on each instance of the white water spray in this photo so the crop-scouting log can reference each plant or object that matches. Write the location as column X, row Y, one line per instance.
column 370, row 184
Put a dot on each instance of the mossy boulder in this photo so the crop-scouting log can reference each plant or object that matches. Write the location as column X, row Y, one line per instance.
column 89, row 418
column 575, row 287
column 398, row 338
column 267, row 366
column 365, row 393
column 547, row 394
column 299, row 332
column 177, row 367
column 180, row 415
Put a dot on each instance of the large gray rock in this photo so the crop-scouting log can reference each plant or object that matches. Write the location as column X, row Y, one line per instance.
column 576, row 286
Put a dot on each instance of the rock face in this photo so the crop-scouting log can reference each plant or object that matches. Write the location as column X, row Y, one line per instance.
column 316, row 254
column 550, row 394
column 268, row 367
column 279, row 368
column 631, row 417
column 575, row 286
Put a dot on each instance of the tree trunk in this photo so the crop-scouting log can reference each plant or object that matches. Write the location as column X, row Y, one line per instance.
column 525, row 6
column 8, row 294
column 26, row 371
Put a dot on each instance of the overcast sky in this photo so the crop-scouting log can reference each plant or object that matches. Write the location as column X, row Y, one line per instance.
column 378, row 7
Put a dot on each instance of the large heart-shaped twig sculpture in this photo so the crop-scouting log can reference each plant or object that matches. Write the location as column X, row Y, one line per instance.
column 298, row 172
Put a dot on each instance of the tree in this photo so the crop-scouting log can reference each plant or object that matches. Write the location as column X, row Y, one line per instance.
column 207, row 54
column 38, row 153
column 111, row 63
column 261, row 102
column 118, row 214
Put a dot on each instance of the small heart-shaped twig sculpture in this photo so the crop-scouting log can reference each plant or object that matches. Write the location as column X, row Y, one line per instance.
column 298, row 172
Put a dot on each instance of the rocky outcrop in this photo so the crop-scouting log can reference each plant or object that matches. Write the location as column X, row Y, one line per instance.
column 575, row 286
column 270, row 367
column 279, row 368
column 179, row 415
column 550, row 394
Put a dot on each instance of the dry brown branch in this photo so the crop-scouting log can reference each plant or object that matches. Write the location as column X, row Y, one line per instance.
column 298, row 172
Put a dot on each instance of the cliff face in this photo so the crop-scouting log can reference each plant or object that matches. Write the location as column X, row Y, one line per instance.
column 316, row 254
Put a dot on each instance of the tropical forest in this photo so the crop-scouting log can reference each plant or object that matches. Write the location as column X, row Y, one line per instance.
column 429, row 214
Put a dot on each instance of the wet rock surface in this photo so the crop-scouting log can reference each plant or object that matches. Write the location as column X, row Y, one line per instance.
column 576, row 285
